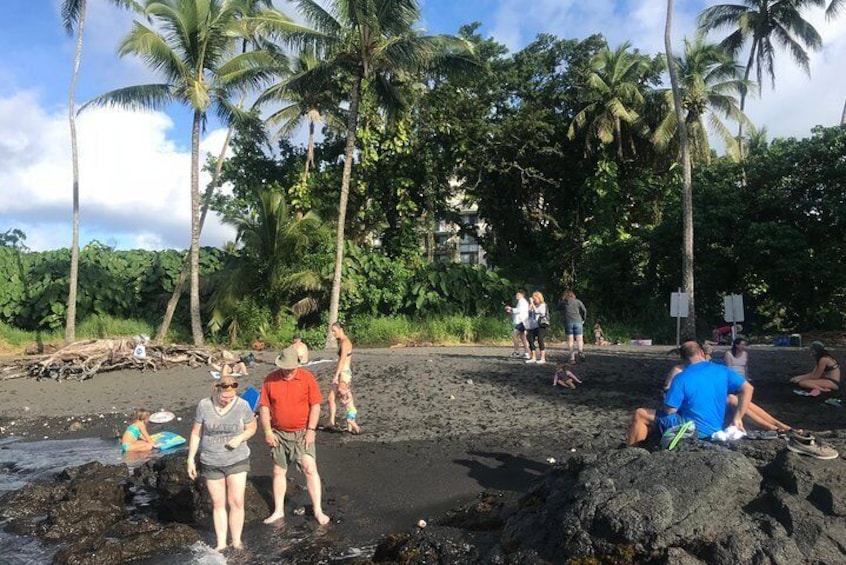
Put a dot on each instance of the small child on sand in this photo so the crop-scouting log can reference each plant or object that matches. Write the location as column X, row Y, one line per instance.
column 564, row 377
column 348, row 402
column 599, row 336
column 136, row 439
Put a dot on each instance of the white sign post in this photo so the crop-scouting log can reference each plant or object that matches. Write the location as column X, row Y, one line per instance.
column 733, row 311
column 679, row 308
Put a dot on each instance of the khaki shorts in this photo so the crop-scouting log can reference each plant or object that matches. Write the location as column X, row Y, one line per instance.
column 291, row 448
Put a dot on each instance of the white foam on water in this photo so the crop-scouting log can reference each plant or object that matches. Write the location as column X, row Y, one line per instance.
column 205, row 555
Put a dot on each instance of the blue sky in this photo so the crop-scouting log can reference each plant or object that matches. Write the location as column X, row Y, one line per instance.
column 135, row 167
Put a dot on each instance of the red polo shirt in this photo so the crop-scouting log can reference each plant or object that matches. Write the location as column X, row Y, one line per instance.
column 289, row 401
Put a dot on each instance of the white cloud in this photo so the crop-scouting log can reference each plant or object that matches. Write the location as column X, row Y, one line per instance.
column 792, row 109
column 134, row 180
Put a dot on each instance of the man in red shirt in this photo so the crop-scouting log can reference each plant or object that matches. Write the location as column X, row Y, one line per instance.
column 289, row 409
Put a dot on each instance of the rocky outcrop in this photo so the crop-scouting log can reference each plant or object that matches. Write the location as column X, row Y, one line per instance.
column 179, row 499
column 755, row 503
column 88, row 510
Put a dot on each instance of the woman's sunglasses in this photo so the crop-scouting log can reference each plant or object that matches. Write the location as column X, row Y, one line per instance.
column 227, row 386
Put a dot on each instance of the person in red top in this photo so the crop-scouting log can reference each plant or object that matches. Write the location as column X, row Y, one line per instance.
column 289, row 408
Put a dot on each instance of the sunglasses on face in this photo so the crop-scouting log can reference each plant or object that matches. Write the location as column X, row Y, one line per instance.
column 226, row 386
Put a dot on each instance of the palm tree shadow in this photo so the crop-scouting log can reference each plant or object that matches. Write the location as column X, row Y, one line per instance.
column 500, row 471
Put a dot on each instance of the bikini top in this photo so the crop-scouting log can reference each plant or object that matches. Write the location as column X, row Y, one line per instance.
column 830, row 368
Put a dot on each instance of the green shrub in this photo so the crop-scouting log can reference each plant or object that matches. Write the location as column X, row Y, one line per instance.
column 16, row 338
column 101, row 326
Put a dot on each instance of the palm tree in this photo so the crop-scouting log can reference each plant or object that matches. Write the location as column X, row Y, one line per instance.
column 709, row 80
column 302, row 104
column 73, row 16
column 615, row 85
column 273, row 246
column 193, row 48
column 687, row 179
column 374, row 47
column 765, row 22
column 253, row 8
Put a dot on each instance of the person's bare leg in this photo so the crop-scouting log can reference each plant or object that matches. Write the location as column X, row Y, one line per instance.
column 824, row 385
column 354, row 427
column 638, row 431
column 570, row 340
column 580, row 343
column 235, row 486
column 332, row 407
column 759, row 416
column 139, row 446
column 280, row 486
column 524, row 341
column 516, row 341
column 314, row 488
column 217, row 492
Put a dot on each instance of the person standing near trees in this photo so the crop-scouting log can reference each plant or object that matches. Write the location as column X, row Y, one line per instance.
column 538, row 323
column 343, row 371
column 574, row 313
column 519, row 318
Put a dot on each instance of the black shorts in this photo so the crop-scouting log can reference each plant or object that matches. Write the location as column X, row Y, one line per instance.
column 520, row 327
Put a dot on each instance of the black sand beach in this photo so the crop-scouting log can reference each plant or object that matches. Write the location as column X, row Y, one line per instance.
column 440, row 425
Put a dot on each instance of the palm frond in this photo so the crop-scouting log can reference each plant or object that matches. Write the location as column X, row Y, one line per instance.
column 71, row 10
column 155, row 51
column 141, row 97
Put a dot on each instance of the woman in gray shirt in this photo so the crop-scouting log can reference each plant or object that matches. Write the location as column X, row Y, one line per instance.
column 574, row 313
column 223, row 424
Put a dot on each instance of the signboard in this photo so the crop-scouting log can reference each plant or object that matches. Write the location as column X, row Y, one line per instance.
column 733, row 308
column 679, row 305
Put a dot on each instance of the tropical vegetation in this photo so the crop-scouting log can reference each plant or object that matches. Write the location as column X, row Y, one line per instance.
column 570, row 153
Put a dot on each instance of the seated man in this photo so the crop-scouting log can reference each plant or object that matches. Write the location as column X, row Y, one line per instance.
column 696, row 394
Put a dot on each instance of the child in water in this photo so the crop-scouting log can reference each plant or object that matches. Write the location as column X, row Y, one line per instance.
column 564, row 377
column 347, row 401
column 136, row 439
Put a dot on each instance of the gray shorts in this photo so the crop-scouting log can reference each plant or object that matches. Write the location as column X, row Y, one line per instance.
column 291, row 448
column 213, row 472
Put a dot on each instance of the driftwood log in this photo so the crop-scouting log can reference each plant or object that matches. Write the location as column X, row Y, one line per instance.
column 83, row 359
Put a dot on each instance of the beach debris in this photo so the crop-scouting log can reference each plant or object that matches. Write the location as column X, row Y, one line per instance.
column 81, row 360
column 469, row 381
column 550, row 460
column 299, row 511
column 421, row 523
column 452, row 397
column 573, row 449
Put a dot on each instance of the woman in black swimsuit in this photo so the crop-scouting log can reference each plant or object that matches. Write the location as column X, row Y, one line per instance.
column 826, row 374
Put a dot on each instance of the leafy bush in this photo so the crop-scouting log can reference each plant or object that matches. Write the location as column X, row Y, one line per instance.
column 101, row 326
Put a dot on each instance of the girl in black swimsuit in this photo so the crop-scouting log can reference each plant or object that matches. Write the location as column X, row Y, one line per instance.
column 826, row 374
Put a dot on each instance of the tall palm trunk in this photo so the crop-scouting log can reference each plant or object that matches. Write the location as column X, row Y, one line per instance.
column 743, row 92
column 196, row 321
column 186, row 264
column 687, row 181
column 70, row 324
column 352, row 125
column 310, row 154
column 843, row 116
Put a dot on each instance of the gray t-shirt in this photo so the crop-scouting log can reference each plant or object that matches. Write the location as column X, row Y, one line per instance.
column 218, row 430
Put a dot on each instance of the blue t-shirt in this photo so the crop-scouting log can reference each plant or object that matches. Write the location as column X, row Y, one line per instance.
column 699, row 394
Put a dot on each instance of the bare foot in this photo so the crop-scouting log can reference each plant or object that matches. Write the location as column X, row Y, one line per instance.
column 321, row 518
column 239, row 546
column 274, row 517
column 220, row 547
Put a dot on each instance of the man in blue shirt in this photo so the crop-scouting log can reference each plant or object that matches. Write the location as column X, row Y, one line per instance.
column 696, row 394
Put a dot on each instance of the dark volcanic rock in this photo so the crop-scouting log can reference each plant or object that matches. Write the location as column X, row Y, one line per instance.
column 488, row 512
column 185, row 501
column 424, row 547
column 684, row 507
column 127, row 540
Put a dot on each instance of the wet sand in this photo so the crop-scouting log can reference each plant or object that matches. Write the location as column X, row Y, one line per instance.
column 439, row 424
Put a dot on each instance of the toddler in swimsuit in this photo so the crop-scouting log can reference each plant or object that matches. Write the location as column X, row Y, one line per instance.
column 348, row 402
column 564, row 377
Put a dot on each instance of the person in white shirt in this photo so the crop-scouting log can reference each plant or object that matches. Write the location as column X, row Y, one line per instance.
column 519, row 318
